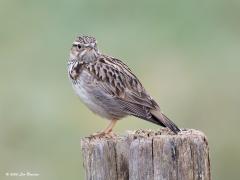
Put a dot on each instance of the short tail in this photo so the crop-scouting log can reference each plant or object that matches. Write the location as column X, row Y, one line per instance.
column 161, row 119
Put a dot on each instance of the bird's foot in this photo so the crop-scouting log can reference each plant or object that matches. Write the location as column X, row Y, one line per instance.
column 97, row 135
column 110, row 135
column 103, row 134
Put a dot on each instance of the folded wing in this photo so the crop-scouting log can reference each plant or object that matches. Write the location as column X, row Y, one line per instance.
column 116, row 79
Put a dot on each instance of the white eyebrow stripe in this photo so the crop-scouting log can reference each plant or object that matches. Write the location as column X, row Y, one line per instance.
column 76, row 43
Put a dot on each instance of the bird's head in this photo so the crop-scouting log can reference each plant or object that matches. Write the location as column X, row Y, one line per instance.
column 84, row 48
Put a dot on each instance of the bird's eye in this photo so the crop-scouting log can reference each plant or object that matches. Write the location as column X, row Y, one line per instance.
column 79, row 46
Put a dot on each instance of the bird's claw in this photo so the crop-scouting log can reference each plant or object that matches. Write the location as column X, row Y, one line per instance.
column 103, row 135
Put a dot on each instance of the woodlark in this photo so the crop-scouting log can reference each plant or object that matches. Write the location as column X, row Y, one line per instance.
column 109, row 88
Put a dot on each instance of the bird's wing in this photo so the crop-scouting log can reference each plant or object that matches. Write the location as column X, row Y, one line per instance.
column 116, row 79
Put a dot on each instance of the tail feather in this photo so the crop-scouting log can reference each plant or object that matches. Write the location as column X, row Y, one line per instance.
column 164, row 121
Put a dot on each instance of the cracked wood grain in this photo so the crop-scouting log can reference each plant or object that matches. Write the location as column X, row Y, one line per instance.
column 147, row 155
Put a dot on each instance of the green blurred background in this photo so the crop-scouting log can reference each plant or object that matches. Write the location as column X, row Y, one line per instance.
column 186, row 53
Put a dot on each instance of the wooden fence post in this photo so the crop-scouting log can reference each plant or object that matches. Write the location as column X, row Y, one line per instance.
column 147, row 155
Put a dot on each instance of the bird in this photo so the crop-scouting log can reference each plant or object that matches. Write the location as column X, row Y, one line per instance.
column 108, row 87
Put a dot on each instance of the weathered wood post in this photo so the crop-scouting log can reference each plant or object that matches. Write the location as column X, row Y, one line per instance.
column 147, row 155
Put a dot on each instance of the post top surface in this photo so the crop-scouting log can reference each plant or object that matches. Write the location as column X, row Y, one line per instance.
column 162, row 133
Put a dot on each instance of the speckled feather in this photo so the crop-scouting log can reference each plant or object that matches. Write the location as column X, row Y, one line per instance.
column 109, row 88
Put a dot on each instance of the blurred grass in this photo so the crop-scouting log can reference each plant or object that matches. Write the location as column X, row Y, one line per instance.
column 186, row 54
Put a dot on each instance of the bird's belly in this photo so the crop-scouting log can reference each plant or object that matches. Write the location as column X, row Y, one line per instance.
column 96, row 100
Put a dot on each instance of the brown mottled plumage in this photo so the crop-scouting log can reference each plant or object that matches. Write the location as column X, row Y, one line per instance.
column 109, row 88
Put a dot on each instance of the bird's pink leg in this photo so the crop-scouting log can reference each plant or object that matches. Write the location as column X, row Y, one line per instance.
column 110, row 126
column 107, row 131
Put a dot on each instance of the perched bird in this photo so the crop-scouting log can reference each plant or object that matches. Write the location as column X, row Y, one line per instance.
column 109, row 88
